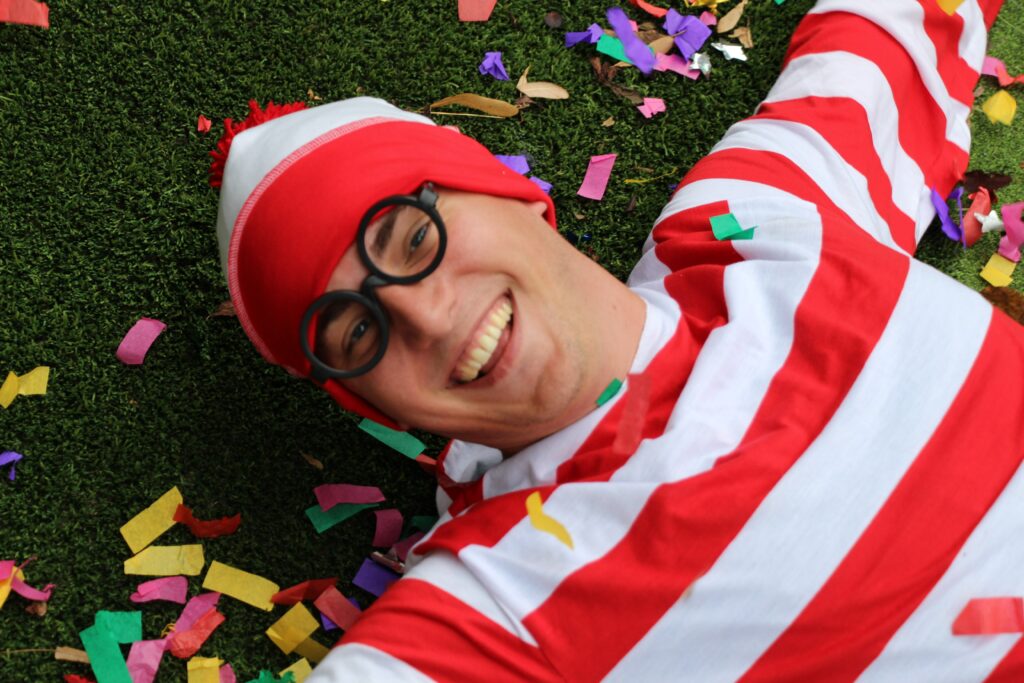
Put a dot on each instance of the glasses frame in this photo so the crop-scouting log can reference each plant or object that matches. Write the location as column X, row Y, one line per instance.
column 424, row 199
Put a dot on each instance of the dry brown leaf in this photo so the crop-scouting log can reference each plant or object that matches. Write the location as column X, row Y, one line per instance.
column 632, row 95
column 662, row 44
column 479, row 102
column 731, row 18
column 541, row 89
column 70, row 654
column 608, row 122
column 312, row 461
column 742, row 34
column 36, row 609
column 312, row 95
column 225, row 310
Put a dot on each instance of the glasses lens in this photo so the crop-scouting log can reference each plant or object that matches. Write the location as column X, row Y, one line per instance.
column 348, row 333
column 402, row 241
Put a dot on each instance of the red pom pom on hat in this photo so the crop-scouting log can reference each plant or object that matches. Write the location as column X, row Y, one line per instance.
column 231, row 129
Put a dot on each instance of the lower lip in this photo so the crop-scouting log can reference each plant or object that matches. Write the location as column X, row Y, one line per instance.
column 503, row 368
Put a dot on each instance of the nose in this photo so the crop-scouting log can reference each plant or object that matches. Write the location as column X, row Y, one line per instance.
column 420, row 313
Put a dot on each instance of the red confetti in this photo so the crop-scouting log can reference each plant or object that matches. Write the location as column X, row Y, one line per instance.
column 984, row 616
column 307, row 590
column 210, row 529
column 649, row 8
column 339, row 610
column 403, row 547
column 389, row 528
column 476, row 10
column 982, row 203
column 75, row 678
column 184, row 644
column 204, row 124
column 25, row 12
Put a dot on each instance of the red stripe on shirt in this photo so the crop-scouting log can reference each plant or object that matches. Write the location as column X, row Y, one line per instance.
column 917, row 533
column 990, row 8
column 944, row 31
column 844, row 125
column 446, row 639
column 686, row 525
column 922, row 124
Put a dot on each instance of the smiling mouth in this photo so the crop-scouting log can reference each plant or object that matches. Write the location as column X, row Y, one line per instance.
column 487, row 345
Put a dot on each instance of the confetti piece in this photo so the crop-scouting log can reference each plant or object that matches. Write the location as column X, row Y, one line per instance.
column 196, row 607
column 403, row 442
column 613, row 48
column 75, row 678
column 307, row 590
column 491, row 65
column 727, row 227
column 651, row 106
column 951, row 230
column 997, row 68
column 688, row 32
column 133, row 348
column 144, row 659
column 185, row 643
column 167, row 560
column 389, row 528
column 637, row 52
column 1000, row 108
column 374, row 578
column 701, row 62
column 295, row 626
column 731, row 51
column 8, row 572
column 10, row 458
column 1009, row 245
column 300, row 670
column 634, row 415
column 596, row 179
column 543, row 522
column 980, row 203
column 322, row 521
column 240, row 585
column 26, row 12
column 542, row 184
column 105, row 656
column 519, row 164
column 423, row 522
column 985, row 616
column 227, row 674
column 591, row 35
column 649, row 8
column 340, row 611
column 541, row 90
column 204, row 124
column 171, row 589
column 476, row 10
column 998, row 271
column 204, row 670
column 991, row 223
column 9, row 390
column 33, row 383
column 327, row 623
column 207, row 529
column 123, row 627
column 609, row 391
column 403, row 547
column 677, row 64
column 948, row 6
column 148, row 525
column 311, row 650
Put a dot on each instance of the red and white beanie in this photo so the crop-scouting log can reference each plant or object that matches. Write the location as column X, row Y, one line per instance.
column 294, row 183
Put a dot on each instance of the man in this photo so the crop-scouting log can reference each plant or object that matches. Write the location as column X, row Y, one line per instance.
column 806, row 475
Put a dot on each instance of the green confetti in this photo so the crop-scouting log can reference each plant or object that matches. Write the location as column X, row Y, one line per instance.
column 609, row 391
column 423, row 522
column 726, row 227
column 403, row 442
column 322, row 521
column 105, row 655
column 613, row 48
column 268, row 677
column 123, row 627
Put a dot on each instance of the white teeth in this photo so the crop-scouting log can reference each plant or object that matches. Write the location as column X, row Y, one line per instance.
column 469, row 367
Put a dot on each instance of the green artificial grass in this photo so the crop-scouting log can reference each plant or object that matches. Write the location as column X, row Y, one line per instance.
column 106, row 216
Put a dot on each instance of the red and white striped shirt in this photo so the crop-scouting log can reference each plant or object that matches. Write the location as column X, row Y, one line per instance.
column 829, row 445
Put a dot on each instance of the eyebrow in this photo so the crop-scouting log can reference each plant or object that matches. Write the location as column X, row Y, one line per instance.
column 387, row 227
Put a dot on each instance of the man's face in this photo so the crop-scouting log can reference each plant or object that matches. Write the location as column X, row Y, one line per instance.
column 510, row 297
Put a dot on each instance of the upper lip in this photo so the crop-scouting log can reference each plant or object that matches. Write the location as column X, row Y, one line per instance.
column 472, row 335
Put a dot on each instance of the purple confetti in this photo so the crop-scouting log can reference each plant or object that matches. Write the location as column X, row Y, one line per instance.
column 638, row 53
column 591, row 35
column 690, row 32
column 374, row 578
column 517, row 163
column 327, row 623
column 952, row 231
column 492, row 65
column 542, row 184
column 10, row 458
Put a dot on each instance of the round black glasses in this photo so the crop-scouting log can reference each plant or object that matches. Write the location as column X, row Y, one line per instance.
column 401, row 240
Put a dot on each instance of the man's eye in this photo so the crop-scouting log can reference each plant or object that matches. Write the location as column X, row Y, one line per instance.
column 418, row 237
column 359, row 331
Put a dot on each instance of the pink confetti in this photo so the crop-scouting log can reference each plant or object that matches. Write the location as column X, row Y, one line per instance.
column 227, row 674
column 708, row 19
column 204, row 124
column 596, row 180
column 144, row 659
column 985, row 616
column 132, row 349
column 991, row 66
column 403, row 547
column 170, row 588
column 389, row 528
column 1009, row 245
column 329, row 495
column 25, row 12
column 651, row 106
column 26, row 591
column 476, row 10
column 196, row 607
column 677, row 64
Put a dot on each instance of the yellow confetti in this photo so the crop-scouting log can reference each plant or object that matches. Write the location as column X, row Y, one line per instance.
column 167, row 560
column 311, row 650
column 1000, row 108
column 204, row 670
column 998, row 271
column 300, row 670
column 146, row 527
column 5, row 585
column 950, row 6
column 9, row 390
column 34, row 383
column 543, row 522
column 294, row 627
column 241, row 585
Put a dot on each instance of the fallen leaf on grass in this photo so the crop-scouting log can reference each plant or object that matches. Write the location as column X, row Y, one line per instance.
column 225, row 310
column 742, row 34
column 605, row 73
column 312, row 461
column 731, row 18
column 541, row 89
column 70, row 654
column 492, row 107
